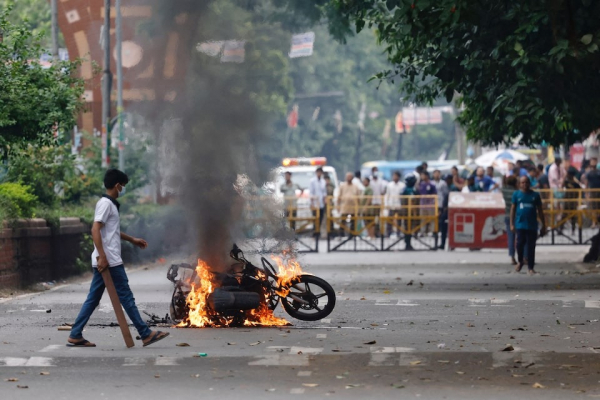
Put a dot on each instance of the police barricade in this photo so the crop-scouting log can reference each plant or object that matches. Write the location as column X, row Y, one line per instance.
column 304, row 219
column 571, row 216
column 370, row 223
column 266, row 231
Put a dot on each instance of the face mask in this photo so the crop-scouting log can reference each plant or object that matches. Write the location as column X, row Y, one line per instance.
column 122, row 191
column 375, row 174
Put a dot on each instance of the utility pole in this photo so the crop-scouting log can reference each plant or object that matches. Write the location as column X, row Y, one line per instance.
column 120, row 86
column 106, row 88
column 54, row 5
column 361, row 129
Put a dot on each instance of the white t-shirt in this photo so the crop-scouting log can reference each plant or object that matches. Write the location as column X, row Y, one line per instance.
column 392, row 194
column 378, row 185
column 108, row 214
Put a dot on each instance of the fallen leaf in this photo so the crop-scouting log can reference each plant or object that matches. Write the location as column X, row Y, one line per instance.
column 415, row 362
column 363, row 298
column 340, row 377
column 557, row 322
column 157, row 376
column 397, row 386
column 310, row 384
column 231, row 343
column 340, row 351
column 182, row 345
column 44, row 373
column 352, row 386
column 386, row 292
column 518, row 376
column 23, row 387
column 538, row 386
column 460, row 372
column 371, row 342
column 470, row 325
column 254, row 344
column 12, row 380
column 410, row 283
column 374, row 324
column 508, row 347
column 443, row 361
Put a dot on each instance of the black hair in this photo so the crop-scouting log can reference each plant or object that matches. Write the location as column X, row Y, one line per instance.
column 532, row 169
column 426, row 173
column 540, row 167
column 397, row 173
column 319, row 169
column 288, row 173
column 366, row 178
column 326, row 175
column 357, row 174
column 419, row 169
column 112, row 177
column 437, row 170
column 424, row 163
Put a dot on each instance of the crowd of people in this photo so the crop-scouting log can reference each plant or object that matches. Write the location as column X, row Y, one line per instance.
column 365, row 199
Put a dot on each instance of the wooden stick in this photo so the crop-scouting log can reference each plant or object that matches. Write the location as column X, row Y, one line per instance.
column 114, row 299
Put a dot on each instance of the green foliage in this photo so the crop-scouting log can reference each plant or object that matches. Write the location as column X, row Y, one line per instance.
column 44, row 168
column 522, row 69
column 34, row 101
column 16, row 201
column 35, row 14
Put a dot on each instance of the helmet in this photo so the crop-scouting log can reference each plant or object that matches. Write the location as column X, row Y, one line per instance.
column 410, row 180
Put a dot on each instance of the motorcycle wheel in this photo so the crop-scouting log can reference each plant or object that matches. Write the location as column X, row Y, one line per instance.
column 315, row 291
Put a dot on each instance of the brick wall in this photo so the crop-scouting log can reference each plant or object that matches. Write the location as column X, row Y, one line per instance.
column 30, row 251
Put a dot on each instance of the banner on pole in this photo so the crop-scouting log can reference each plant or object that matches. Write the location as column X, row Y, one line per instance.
column 302, row 45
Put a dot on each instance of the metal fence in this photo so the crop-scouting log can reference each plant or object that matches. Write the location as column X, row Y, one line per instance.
column 392, row 223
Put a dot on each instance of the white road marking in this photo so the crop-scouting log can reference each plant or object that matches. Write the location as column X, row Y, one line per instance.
column 304, row 373
column 12, row 361
column 51, row 348
column 592, row 304
column 297, row 391
column 391, row 349
column 134, row 362
column 321, row 336
column 567, row 304
column 501, row 303
column 298, row 360
column 326, row 320
column 26, row 362
column 406, row 303
column 165, row 361
column 306, row 350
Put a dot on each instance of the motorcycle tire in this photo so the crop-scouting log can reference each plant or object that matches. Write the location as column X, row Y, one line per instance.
column 297, row 311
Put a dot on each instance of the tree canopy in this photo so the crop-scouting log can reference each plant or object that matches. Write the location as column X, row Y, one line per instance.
column 527, row 70
column 35, row 100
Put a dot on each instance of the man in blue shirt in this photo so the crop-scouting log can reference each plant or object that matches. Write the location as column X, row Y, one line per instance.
column 483, row 181
column 524, row 212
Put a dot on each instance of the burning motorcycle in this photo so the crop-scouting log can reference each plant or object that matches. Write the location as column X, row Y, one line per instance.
column 247, row 295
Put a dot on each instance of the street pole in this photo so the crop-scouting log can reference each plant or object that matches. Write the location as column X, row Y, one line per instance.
column 54, row 5
column 120, row 87
column 106, row 88
column 361, row 128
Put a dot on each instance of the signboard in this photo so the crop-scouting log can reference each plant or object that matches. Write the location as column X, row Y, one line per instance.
column 476, row 220
column 302, row 45
column 424, row 115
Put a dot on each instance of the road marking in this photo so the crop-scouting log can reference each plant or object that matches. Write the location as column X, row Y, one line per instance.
column 134, row 362
column 321, row 336
column 402, row 303
column 383, row 360
column 326, row 320
column 12, row 361
column 391, row 350
column 51, row 348
column 297, row 391
column 297, row 360
column 406, row 303
column 304, row 373
column 306, row 350
column 166, row 361
column 26, row 362
column 501, row 303
column 592, row 304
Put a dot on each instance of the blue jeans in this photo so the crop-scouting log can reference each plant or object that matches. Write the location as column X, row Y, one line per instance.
column 125, row 296
column 511, row 238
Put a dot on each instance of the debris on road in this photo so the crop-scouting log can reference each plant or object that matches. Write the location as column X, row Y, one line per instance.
column 508, row 347
column 22, row 386
column 12, row 380
column 182, row 345
column 538, row 386
column 371, row 342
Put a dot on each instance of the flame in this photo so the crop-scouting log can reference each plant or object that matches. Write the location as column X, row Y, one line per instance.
column 200, row 314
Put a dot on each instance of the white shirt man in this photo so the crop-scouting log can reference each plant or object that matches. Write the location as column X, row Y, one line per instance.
column 379, row 186
column 108, row 214
column 392, row 194
column 318, row 191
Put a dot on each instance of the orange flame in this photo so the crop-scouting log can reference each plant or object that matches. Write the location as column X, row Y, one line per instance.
column 200, row 315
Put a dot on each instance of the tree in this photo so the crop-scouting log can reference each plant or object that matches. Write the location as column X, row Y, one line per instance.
column 35, row 101
column 526, row 70
column 35, row 14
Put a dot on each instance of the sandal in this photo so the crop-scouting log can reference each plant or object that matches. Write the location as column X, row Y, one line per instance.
column 157, row 336
column 81, row 343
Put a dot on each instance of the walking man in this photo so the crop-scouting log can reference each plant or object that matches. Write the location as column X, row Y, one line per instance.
column 523, row 221
column 107, row 236
column 392, row 202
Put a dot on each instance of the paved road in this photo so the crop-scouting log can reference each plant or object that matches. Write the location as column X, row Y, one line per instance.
column 440, row 337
